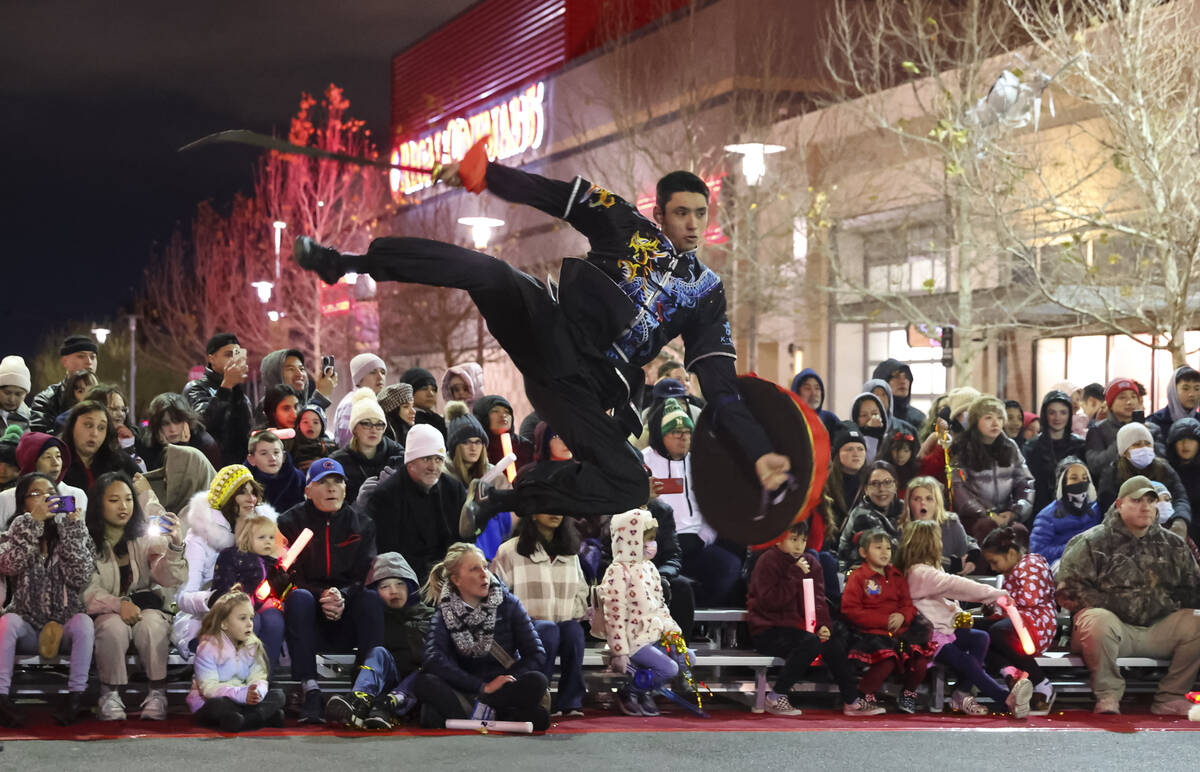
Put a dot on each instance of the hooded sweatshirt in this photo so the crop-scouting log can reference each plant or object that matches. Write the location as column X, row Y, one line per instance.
column 405, row 628
column 495, row 451
column 1188, row 471
column 1061, row 519
column 1174, row 411
column 305, row 451
column 470, row 372
column 872, row 435
column 634, row 610
column 688, row 518
column 270, row 373
column 1043, row 454
column 900, row 405
column 832, row 423
column 184, row 471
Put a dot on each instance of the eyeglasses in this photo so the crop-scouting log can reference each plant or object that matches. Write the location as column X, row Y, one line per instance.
column 882, row 485
column 474, row 442
column 376, row 425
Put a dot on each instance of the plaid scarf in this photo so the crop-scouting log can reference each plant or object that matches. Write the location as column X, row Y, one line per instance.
column 471, row 629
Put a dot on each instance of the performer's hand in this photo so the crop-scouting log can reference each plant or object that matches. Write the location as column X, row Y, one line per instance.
column 449, row 175
column 772, row 470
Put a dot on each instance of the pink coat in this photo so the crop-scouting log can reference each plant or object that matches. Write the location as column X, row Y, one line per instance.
column 936, row 593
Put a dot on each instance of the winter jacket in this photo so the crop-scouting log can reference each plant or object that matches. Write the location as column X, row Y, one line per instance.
column 634, row 610
column 900, row 405
column 226, row 413
column 1031, row 586
column 270, row 373
column 775, row 595
column 154, row 565
column 19, row 417
column 1158, row 471
column 1101, row 451
column 152, row 451
column 869, row 598
column 404, row 629
column 46, row 588
column 1054, row 526
column 1188, row 471
column 224, row 670
column 47, row 406
column 236, row 567
column 669, row 557
column 341, row 550
column 684, row 507
column 1174, row 411
column 936, row 593
column 994, row 489
column 1043, row 454
column 550, row 588
column 358, row 467
column 8, row 505
column 831, row 422
column 893, row 422
column 1141, row 580
column 418, row 524
column 183, row 472
column 470, row 372
column 79, row 476
column 513, row 632
column 208, row 534
column 863, row 517
column 284, row 489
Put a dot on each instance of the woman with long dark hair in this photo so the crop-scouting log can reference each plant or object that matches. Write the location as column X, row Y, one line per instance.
column 91, row 439
column 992, row 485
column 878, row 506
column 172, row 421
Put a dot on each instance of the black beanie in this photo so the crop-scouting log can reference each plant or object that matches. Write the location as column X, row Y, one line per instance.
column 418, row 378
column 847, row 437
column 220, row 341
column 73, row 344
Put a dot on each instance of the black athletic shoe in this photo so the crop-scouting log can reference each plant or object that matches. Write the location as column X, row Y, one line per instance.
column 326, row 262
column 68, row 708
column 348, row 709
column 313, row 708
column 378, row 720
column 10, row 714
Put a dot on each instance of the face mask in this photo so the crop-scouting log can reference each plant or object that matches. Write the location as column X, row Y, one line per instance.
column 1141, row 457
column 1076, row 495
column 1165, row 510
column 126, row 442
column 650, row 550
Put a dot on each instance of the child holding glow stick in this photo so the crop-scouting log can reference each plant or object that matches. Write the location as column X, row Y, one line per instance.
column 229, row 688
column 1028, row 580
column 777, row 615
column 247, row 563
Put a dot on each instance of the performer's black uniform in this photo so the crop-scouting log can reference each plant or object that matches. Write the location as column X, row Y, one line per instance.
column 581, row 345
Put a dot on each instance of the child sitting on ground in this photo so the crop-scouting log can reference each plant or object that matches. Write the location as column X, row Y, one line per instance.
column 936, row 594
column 383, row 689
column 1028, row 581
column 889, row 634
column 258, row 545
column 272, row 467
column 776, row 615
column 229, row 688
column 635, row 614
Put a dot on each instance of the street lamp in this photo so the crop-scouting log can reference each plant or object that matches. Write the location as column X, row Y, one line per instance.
column 263, row 288
column 754, row 163
column 278, row 225
column 481, row 229
column 101, row 333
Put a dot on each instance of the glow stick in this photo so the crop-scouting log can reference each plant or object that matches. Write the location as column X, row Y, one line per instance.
column 469, row 725
column 506, row 446
column 264, row 588
column 1018, row 624
column 810, row 610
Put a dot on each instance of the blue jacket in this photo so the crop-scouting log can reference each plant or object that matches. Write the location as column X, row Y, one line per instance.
column 514, row 633
column 1053, row 528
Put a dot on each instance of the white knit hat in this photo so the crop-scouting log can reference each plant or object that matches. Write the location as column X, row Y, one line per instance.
column 362, row 364
column 1130, row 433
column 364, row 405
column 423, row 440
column 13, row 372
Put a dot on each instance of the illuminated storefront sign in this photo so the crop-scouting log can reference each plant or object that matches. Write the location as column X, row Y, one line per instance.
column 713, row 234
column 515, row 125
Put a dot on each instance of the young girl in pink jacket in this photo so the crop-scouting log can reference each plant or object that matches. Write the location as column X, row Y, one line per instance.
column 936, row 594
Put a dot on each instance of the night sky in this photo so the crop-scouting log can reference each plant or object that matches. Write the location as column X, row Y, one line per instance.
column 96, row 98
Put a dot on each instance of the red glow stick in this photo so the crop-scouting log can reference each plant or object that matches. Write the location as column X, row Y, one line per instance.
column 506, row 446
column 810, row 610
column 264, row 588
column 1018, row 624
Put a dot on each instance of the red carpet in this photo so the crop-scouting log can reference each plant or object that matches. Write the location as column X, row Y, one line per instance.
column 40, row 726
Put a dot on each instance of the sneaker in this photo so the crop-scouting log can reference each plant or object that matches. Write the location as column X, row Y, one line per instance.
column 325, row 262
column 780, row 705
column 646, row 703
column 962, row 702
column 1107, row 705
column 67, row 712
column 1176, row 707
column 861, row 707
column 378, row 720
column 312, row 708
column 110, row 707
column 348, row 709
column 574, row 713
column 397, row 704
column 10, row 714
column 1012, row 674
column 154, row 707
column 628, row 703
column 907, row 702
column 1040, row 704
column 1018, row 698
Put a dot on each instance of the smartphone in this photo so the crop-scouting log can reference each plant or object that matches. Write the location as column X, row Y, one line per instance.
column 670, row 485
column 1139, row 416
column 60, row 504
column 327, row 364
column 155, row 527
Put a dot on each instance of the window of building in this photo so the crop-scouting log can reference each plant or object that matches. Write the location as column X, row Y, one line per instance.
column 905, row 259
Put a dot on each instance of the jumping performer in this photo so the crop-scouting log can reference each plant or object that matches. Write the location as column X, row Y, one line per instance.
column 581, row 344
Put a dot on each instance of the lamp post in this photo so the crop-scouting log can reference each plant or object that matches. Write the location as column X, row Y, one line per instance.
column 263, row 288
column 133, row 363
column 279, row 226
column 481, row 234
column 101, row 334
column 754, row 162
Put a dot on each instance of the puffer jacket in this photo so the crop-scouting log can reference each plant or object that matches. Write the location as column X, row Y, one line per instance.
column 1141, row 580
column 1055, row 524
column 864, row 517
column 222, row 669
column 1158, row 471
column 994, row 489
column 634, row 610
column 936, row 594
column 226, row 413
column 48, row 588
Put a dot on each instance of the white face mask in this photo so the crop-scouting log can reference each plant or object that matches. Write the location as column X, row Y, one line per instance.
column 126, row 442
column 1165, row 511
column 1141, row 457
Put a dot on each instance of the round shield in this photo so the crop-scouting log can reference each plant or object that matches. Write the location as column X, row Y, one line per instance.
column 726, row 485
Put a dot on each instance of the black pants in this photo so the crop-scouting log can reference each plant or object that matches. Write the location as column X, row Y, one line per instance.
column 799, row 648
column 716, row 570
column 223, row 713
column 565, row 387
column 520, row 700
column 1005, row 649
column 682, row 604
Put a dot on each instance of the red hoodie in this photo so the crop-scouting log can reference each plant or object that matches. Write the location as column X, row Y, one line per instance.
column 870, row 598
column 775, row 597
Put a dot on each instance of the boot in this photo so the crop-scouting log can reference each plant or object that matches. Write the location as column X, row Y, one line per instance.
column 10, row 714
column 325, row 262
column 68, row 708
